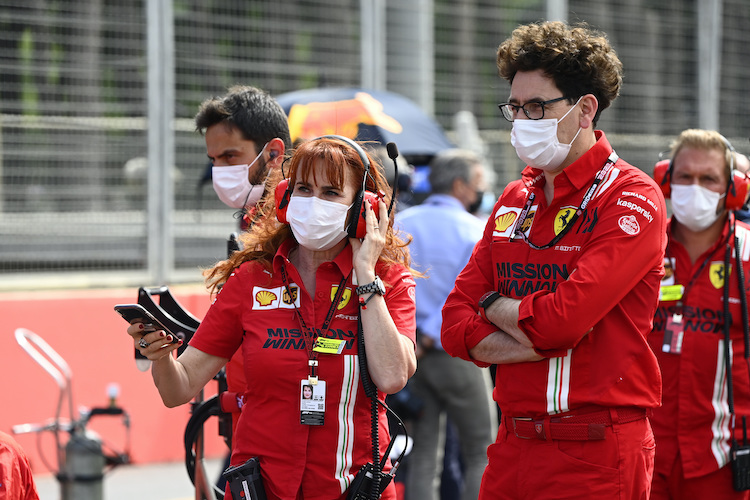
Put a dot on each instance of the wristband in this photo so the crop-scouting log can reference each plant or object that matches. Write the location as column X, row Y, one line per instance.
column 486, row 301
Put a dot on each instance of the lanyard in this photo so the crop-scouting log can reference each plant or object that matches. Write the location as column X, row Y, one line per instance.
column 611, row 160
column 697, row 273
column 308, row 332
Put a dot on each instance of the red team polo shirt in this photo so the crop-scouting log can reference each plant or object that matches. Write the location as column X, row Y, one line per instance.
column 605, row 274
column 694, row 420
column 255, row 312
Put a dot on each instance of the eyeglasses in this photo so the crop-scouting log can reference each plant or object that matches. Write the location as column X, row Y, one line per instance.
column 532, row 110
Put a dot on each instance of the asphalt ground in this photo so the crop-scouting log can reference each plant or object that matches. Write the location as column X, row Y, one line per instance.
column 167, row 481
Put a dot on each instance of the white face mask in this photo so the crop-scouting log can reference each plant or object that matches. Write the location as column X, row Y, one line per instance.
column 695, row 207
column 536, row 141
column 317, row 224
column 233, row 187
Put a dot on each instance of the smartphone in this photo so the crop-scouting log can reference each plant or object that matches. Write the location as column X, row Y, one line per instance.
column 136, row 313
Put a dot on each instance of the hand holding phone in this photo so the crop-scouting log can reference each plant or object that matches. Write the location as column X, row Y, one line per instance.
column 136, row 313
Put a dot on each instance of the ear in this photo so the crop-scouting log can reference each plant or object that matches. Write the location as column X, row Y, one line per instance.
column 589, row 105
column 274, row 152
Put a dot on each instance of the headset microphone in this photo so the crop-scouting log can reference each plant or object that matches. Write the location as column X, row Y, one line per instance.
column 393, row 154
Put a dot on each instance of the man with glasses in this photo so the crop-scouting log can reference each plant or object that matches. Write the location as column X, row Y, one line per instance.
column 561, row 290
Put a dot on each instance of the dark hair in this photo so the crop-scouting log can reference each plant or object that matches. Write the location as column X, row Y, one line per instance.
column 253, row 111
column 449, row 165
column 578, row 59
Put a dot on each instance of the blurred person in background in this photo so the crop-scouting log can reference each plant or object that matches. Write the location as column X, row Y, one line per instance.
column 246, row 134
column 303, row 275
column 444, row 233
column 16, row 480
column 561, row 290
column 694, row 428
column 742, row 164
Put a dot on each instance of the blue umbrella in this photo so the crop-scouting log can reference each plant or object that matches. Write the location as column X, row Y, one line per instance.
column 363, row 115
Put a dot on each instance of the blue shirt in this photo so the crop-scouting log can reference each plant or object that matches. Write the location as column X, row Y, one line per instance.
column 444, row 235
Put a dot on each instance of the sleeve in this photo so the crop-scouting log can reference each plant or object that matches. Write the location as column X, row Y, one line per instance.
column 16, row 479
column 627, row 244
column 462, row 327
column 400, row 300
column 220, row 333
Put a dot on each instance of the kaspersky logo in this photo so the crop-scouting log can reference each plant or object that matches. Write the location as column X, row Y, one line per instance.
column 339, row 117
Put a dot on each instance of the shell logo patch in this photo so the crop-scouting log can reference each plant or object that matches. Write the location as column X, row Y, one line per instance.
column 716, row 274
column 563, row 217
column 504, row 221
column 265, row 297
column 346, row 295
column 629, row 225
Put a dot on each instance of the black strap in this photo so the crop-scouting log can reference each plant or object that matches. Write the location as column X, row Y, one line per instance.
column 598, row 178
column 308, row 333
column 732, row 239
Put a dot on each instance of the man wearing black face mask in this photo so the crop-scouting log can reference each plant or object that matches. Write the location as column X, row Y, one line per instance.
column 561, row 289
column 444, row 233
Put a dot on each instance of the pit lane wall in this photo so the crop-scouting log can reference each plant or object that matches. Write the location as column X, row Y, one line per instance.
column 83, row 328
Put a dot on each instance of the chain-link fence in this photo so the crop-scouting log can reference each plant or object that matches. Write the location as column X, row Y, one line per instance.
column 74, row 104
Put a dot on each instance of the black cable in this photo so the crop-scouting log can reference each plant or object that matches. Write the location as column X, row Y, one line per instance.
column 200, row 414
column 371, row 391
column 745, row 321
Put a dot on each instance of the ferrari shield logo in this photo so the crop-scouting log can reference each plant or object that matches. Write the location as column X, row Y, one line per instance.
column 563, row 218
column 345, row 296
column 716, row 274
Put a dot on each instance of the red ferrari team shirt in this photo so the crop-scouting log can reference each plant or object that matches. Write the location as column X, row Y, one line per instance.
column 16, row 480
column 587, row 302
column 694, row 420
column 256, row 312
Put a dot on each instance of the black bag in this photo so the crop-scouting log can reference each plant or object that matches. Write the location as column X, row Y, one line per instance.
column 245, row 481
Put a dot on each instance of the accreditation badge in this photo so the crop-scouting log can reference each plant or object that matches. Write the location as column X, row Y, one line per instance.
column 312, row 402
column 673, row 333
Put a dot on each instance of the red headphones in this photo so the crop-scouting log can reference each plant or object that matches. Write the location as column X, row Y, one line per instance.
column 737, row 187
column 283, row 193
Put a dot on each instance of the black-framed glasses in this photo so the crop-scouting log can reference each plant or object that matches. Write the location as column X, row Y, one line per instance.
column 532, row 110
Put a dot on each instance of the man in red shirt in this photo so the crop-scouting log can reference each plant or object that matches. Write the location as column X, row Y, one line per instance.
column 560, row 291
column 695, row 425
column 16, row 481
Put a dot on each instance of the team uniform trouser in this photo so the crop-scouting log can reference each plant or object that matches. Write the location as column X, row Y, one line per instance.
column 619, row 466
column 716, row 485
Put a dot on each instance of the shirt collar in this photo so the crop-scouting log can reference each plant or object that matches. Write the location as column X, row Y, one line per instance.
column 343, row 260
column 579, row 173
column 443, row 199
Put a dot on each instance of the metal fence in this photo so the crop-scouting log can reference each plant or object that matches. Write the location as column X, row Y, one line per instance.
column 75, row 111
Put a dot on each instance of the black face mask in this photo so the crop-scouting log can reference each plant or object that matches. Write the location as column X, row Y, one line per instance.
column 477, row 203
